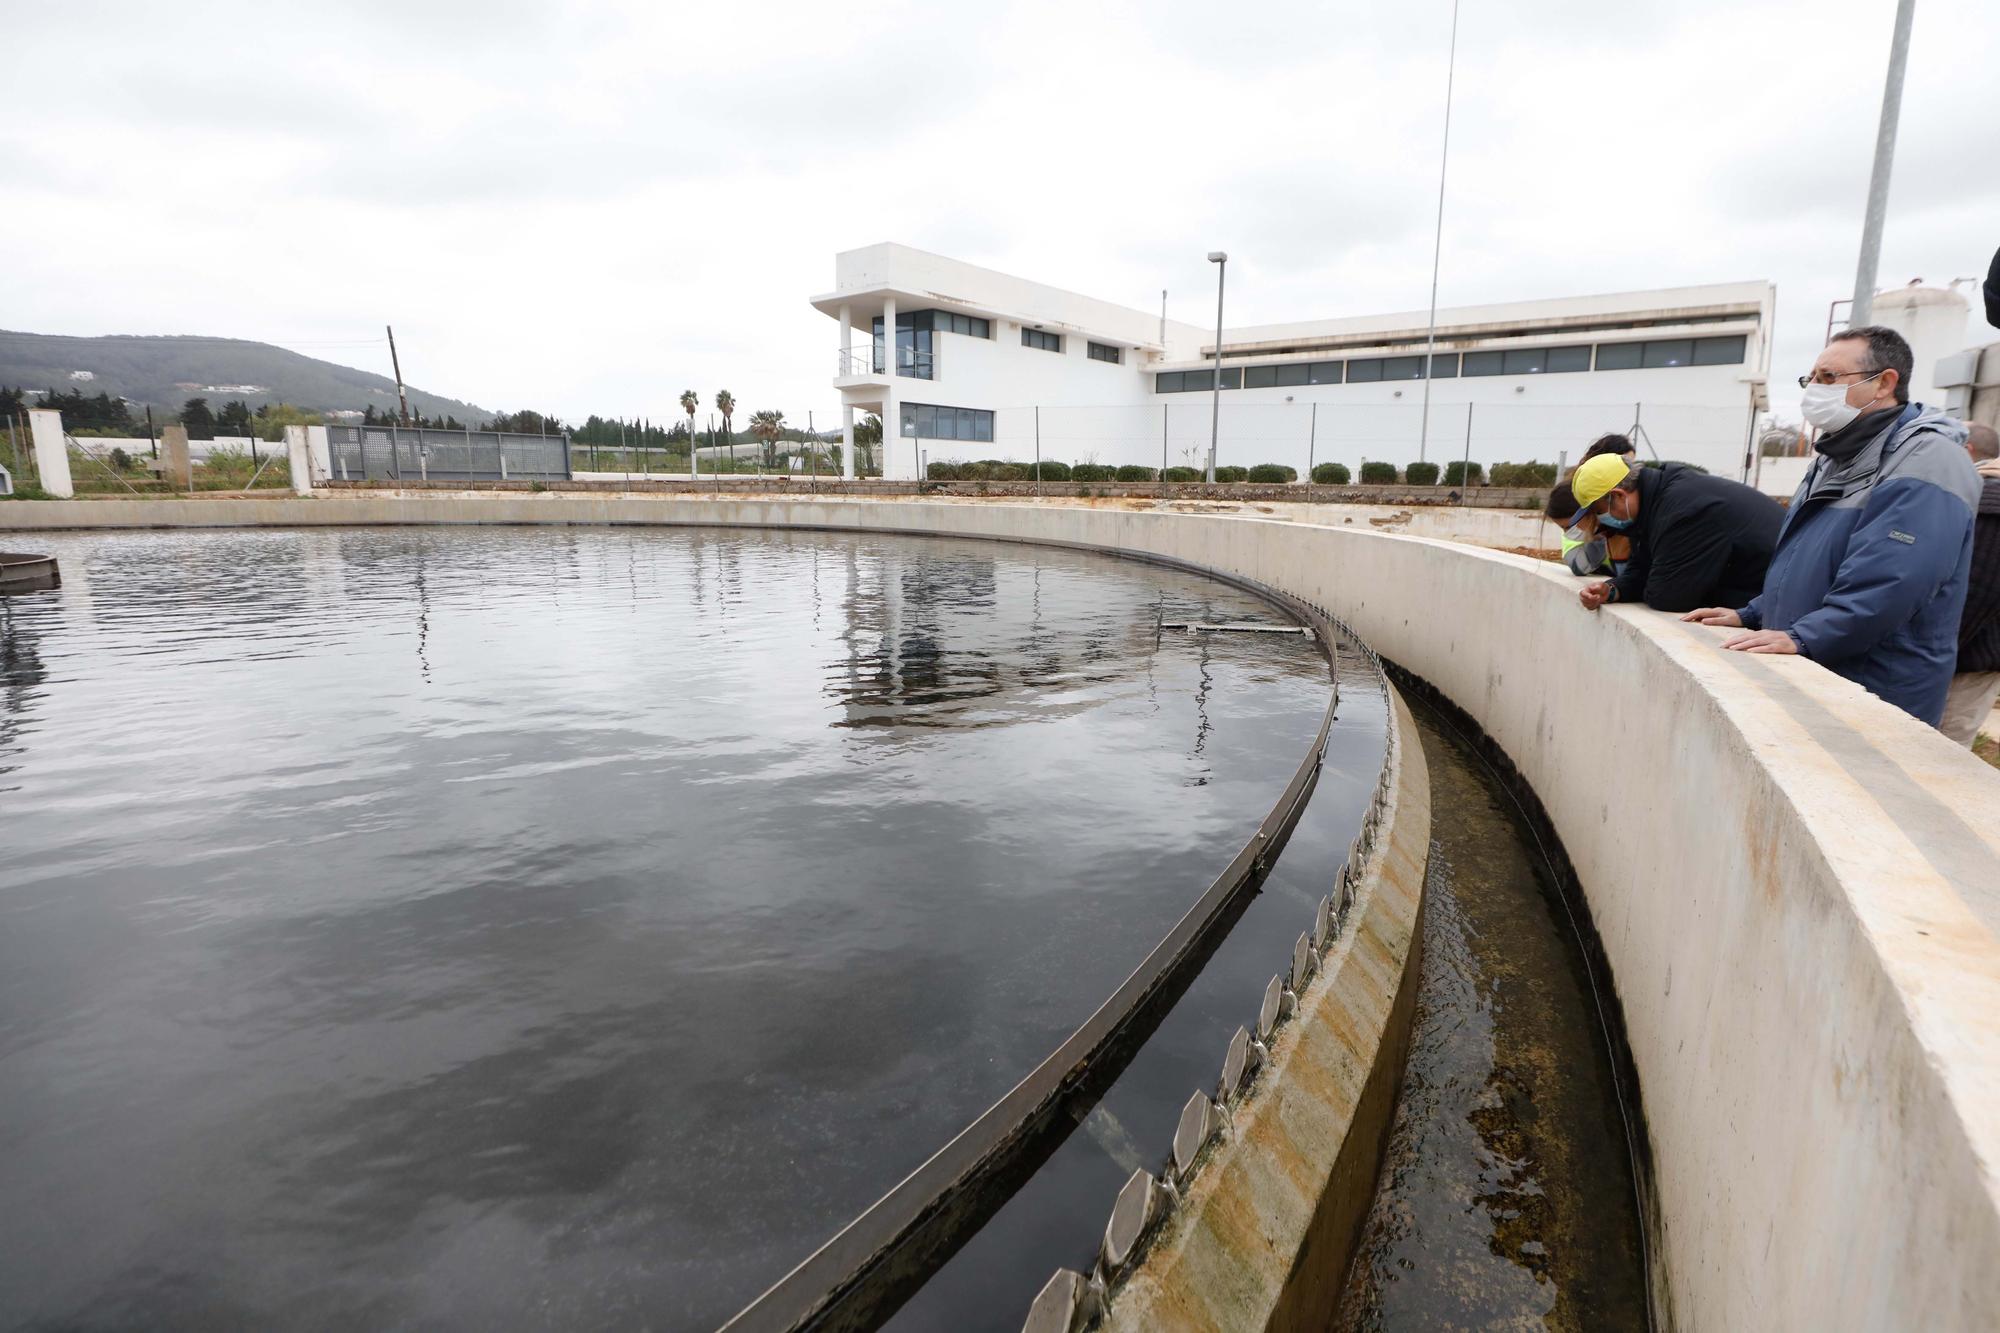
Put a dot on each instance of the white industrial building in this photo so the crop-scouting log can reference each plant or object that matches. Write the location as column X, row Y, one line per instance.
column 990, row 366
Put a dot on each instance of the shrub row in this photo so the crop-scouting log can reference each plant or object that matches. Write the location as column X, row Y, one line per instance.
column 1453, row 473
column 995, row 470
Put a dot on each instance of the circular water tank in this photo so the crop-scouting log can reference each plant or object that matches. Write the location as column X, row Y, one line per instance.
column 1933, row 321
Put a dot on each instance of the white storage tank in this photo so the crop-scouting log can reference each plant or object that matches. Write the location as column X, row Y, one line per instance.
column 1933, row 319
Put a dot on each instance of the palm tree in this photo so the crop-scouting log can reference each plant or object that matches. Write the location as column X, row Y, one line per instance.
column 690, row 400
column 725, row 403
column 767, row 425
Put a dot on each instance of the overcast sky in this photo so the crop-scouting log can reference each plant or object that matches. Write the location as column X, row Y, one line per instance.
column 592, row 210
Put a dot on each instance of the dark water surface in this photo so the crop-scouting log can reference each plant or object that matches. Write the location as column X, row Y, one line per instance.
column 502, row 928
column 1506, row 1198
column 1057, row 1218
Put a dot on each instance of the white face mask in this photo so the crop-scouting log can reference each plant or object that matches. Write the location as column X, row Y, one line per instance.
column 1825, row 406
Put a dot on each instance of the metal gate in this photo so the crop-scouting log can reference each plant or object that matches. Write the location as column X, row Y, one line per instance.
column 407, row 453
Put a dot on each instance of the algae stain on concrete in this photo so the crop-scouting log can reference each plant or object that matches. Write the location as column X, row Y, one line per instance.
column 1506, row 1197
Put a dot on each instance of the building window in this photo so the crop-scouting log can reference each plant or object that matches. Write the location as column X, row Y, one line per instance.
column 1402, row 368
column 1524, row 361
column 926, row 421
column 1569, row 358
column 1324, row 372
column 1104, row 352
column 1364, row 372
column 1167, row 381
column 1260, row 377
column 1720, row 351
column 1036, row 338
column 915, row 354
column 1481, row 363
column 1288, row 375
column 970, row 325
column 1202, row 381
column 1444, row 366
column 1668, row 352
column 1619, row 356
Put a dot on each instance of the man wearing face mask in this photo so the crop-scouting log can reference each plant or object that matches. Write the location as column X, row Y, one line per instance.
column 1696, row 539
column 1869, row 576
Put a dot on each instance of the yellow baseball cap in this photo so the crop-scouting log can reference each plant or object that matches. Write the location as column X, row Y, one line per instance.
column 1595, row 479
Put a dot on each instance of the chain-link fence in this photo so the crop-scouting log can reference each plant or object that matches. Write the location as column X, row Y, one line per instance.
column 404, row 453
column 1298, row 435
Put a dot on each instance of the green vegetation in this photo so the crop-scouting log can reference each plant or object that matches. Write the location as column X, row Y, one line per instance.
column 1133, row 472
column 1421, row 474
column 1181, row 474
column 1270, row 474
column 1378, row 474
column 1455, row 473
column 1232, row 474
column 1524, row 474
column 1332, row 474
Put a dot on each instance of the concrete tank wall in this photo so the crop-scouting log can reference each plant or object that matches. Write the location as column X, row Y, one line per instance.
column 1797, row 887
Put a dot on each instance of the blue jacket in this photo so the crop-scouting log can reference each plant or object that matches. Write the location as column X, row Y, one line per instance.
column 1869, row 575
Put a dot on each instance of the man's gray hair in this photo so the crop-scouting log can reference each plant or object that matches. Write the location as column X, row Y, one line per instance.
column 1983, row 440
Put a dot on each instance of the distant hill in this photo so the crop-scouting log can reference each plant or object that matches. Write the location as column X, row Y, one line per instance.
column 165, row 372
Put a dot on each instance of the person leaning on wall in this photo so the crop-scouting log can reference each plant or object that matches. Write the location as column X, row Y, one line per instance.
column 1975, row 681
column 1588, row 550
column 1695, row 538
column 1870, row 573
column 1585, row 551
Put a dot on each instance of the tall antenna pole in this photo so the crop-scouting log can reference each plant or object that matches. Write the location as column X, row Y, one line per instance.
column 1878, row 180
column 403, row 398
column 1163, row 321
column 1437, row 242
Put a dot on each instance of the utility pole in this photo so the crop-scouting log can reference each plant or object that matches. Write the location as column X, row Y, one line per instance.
column 1220, row 259
column 402, row 399
column 1437, row 238
column 1878, row 180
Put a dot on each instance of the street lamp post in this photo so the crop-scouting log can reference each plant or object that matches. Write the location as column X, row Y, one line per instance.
column 1878, row 178
column 1221, row 262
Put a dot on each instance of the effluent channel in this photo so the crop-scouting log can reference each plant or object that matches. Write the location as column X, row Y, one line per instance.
column 558, row 927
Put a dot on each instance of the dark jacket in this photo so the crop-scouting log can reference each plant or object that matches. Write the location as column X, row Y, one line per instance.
column 1979, row 627
column 1698, row 540
column 1993, row 292
column 1870, row 572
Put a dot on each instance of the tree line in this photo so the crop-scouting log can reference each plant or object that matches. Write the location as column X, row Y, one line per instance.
column 103, row 415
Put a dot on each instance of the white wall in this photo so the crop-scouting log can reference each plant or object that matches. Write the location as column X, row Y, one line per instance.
column 1697, row 414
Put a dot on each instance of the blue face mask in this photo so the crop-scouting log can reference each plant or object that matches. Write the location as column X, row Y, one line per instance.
column 1612, row 521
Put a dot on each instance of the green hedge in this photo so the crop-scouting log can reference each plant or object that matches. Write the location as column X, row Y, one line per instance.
column 1181, row 474
column 1093, row 472
column 1524, row 474
column 1232, row 473
column 1332, row 474
column 1133, row 472
column 1421, row 474
column 1051, row 470
column 1378, row 474
column 1269, row 474
column 1454, row 473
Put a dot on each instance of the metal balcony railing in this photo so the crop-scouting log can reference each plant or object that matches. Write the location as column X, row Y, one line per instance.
column 910, row 363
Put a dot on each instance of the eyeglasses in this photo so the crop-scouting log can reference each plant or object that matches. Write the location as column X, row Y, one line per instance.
column 1834, row 377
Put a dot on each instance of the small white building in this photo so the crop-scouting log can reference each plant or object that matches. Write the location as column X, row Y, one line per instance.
column 991, row 366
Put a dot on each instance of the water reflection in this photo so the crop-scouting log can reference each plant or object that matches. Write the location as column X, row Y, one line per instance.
column 502, row 927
